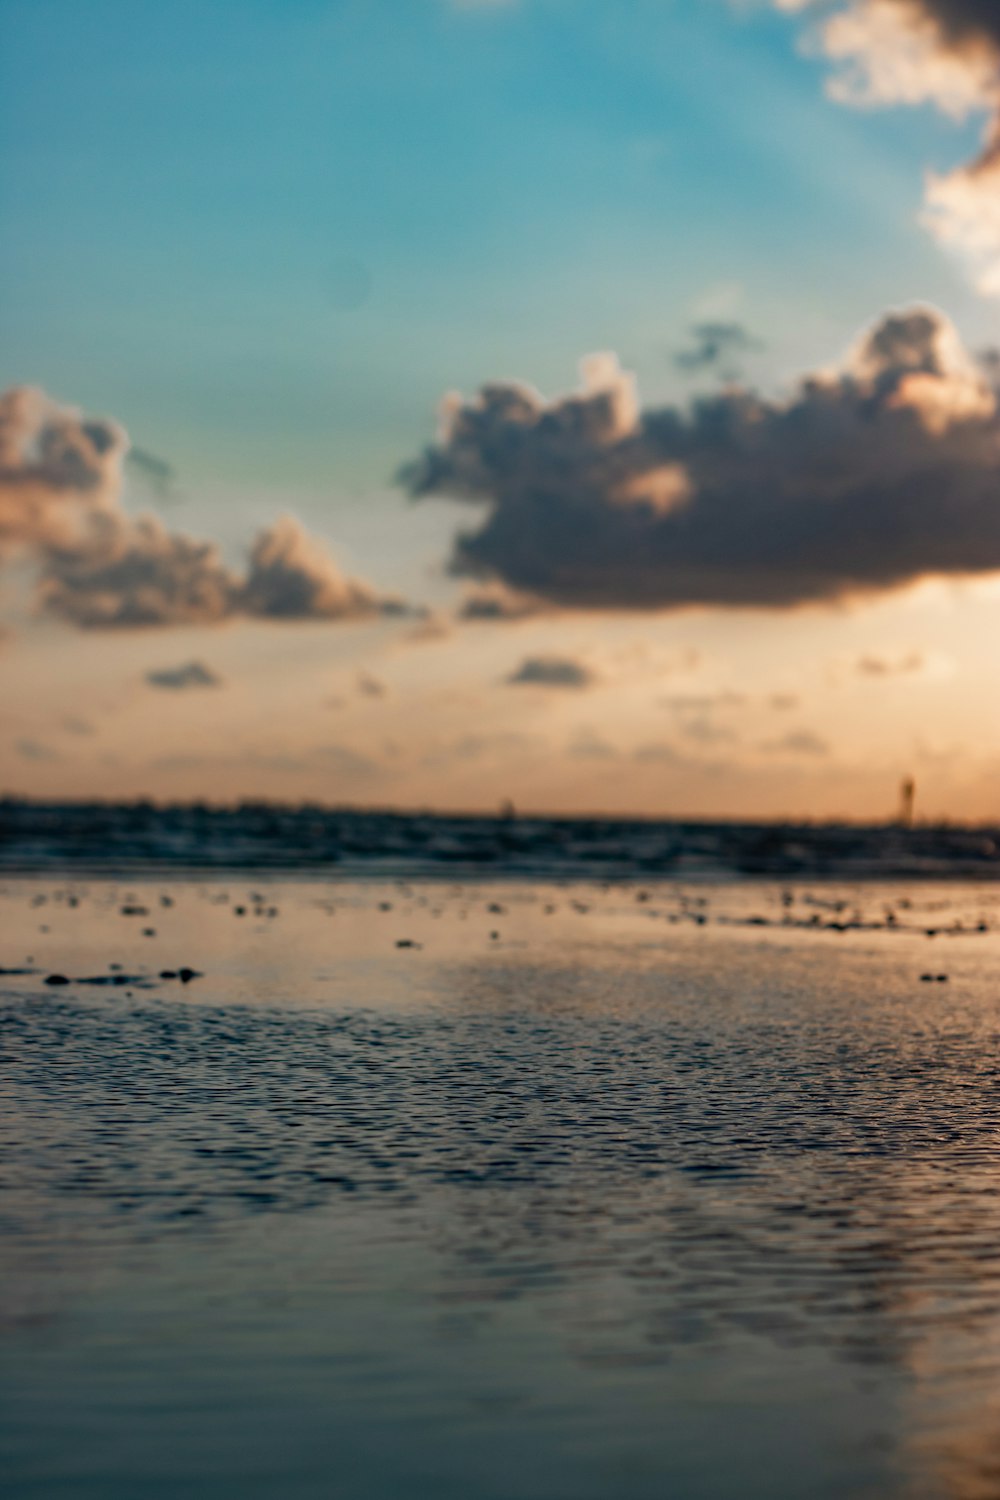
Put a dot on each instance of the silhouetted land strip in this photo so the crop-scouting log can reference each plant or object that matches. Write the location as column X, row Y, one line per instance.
column 116, row 836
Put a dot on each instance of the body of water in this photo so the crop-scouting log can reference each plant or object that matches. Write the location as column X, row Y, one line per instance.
column 558, row 1191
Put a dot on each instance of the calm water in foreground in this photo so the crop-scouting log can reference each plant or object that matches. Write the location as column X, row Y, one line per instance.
column 586, row 1194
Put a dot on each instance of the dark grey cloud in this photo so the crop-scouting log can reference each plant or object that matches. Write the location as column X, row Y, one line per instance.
column 128, row 574
column 716, row 347
column 137, row 573
column 551, row 671
column 156, row 473
column 859, row 481
column 190, row 674
column 99, row 568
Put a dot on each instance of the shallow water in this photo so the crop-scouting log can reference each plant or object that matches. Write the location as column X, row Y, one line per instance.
column 588, row 1192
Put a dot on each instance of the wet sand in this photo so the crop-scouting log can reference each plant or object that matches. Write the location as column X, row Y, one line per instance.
column 514, row 1190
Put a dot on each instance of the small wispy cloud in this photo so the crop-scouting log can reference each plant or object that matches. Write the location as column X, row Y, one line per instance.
column 190, row 674
column 36, row 750
column 551, row 671
column 370, row 686
column 903, row 663
column 717, row 347
column 587, row 744
column 798, row 742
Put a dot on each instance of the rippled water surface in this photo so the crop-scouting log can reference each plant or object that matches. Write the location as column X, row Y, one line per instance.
column 515, row 1192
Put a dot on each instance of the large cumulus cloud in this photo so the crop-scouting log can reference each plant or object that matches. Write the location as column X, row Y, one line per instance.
column 944, row 52
column 99, row 568
column 862, row 479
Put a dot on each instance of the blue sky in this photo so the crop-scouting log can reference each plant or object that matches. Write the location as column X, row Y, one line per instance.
column 186, row 187
column 267, row 238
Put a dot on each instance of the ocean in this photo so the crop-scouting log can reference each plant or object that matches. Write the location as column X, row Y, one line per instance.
column 533, row 1188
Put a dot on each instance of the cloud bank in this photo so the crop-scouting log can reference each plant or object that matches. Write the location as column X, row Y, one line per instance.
column 99, row 568
column 941, row 52
column 864, row 479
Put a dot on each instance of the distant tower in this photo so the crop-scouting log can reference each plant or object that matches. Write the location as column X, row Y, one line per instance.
column 907, row 793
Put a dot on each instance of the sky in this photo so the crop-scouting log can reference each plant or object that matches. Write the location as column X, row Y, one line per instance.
column 439, row 402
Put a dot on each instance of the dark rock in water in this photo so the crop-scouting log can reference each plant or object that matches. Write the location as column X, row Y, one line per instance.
column 185, row 975
column 103, row 981
column 149, row 932
column 168, row 973
column 57, row 979
column 406, row 943
column 134, row 911
column 239, row 911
